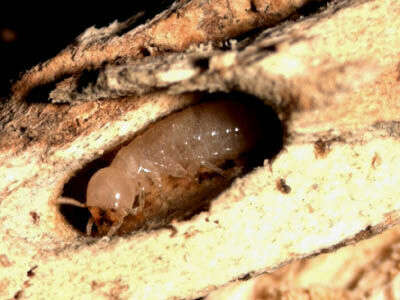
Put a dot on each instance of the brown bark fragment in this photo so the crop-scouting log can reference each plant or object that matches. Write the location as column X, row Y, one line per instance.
column 332, row 77
column 185, row 23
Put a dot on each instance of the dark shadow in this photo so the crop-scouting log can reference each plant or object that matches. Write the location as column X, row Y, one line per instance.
column 75, row 188
column 312, row 7
column 41, row 93
column 76, row 216
column 202, row 63
column 88, row 77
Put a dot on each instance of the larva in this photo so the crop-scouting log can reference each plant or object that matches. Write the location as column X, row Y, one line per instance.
column 177, row 165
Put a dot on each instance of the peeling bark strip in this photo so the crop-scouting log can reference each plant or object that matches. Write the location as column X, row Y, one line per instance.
column 132, row 77
column 205, row 68
column 340, row 159
column 185, row 23
column 212, row 70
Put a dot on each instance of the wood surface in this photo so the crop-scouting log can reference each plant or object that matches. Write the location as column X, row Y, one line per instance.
column 331, row 73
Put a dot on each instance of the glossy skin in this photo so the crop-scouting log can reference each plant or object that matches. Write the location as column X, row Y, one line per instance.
column 203, row 136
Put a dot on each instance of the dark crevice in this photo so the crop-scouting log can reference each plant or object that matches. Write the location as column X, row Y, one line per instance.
column 145, row 52
column 202, row 63
column 87, row 77
column 245, row 277
column 253, row 6
column 41, row 93
column 269, row 48
column 75, row 188
column 312, row 7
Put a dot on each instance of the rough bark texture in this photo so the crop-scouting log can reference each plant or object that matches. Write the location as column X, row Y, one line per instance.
column 186, row 23
column 332, row 77
column 367, row 270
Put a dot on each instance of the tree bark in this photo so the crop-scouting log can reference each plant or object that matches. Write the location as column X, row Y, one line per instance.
column 329, row 70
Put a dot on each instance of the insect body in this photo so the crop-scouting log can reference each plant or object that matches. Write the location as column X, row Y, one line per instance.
column 175, row 165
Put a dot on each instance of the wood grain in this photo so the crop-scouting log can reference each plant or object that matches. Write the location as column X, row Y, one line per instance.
column 332, row 77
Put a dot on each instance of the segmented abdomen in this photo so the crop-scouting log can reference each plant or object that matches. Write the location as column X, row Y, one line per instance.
column 180, row 163
column 205, row 135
